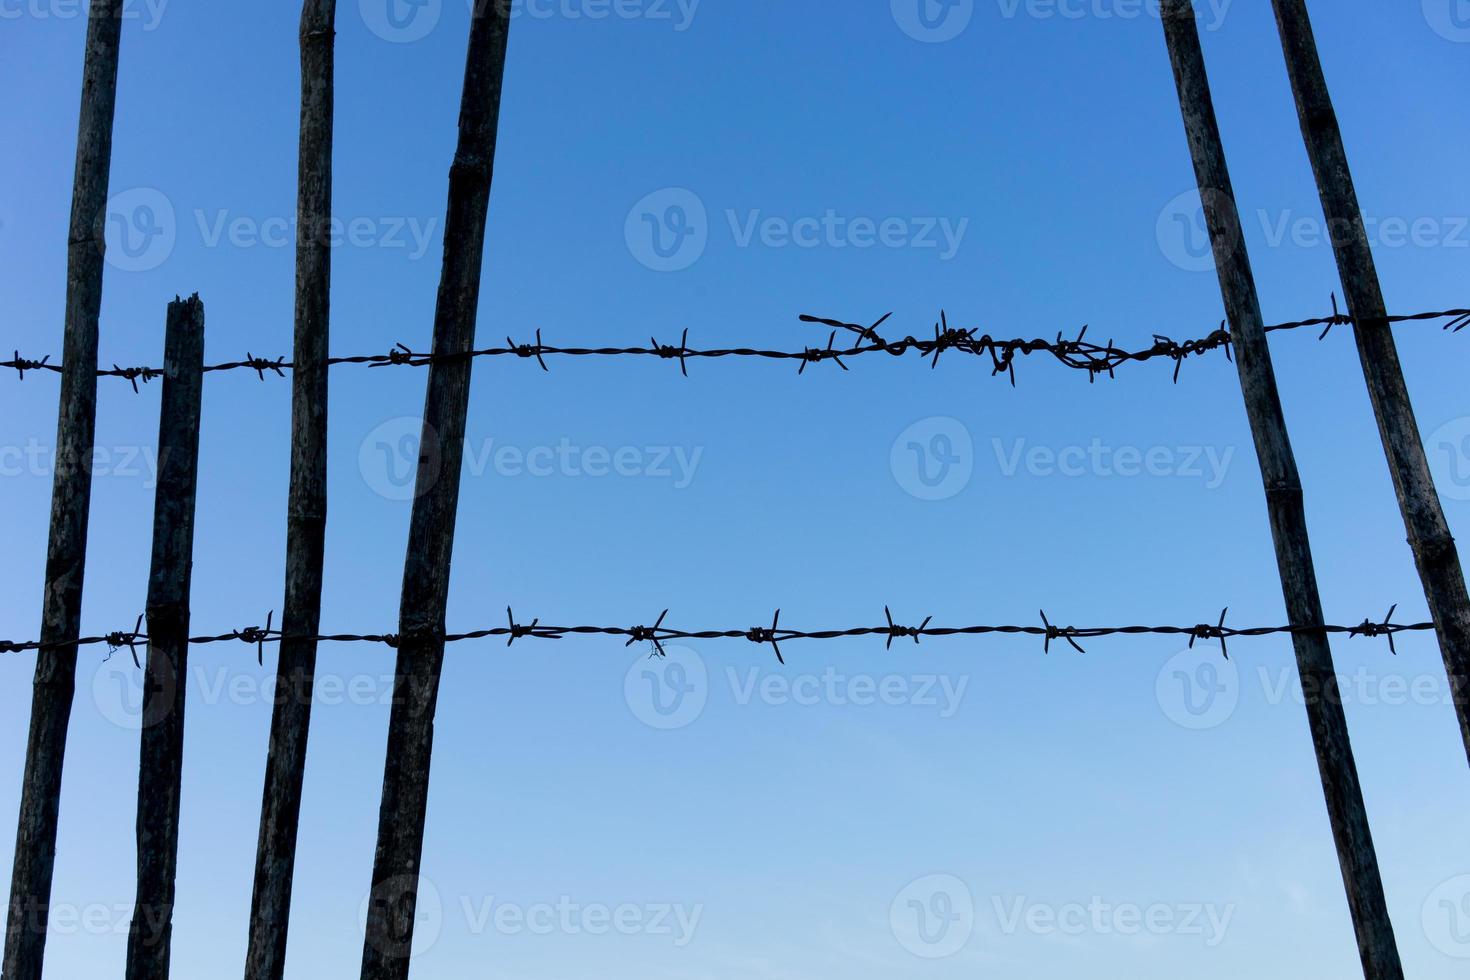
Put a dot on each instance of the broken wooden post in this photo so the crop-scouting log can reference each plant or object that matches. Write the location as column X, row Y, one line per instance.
column 1434, row 549
column 161, row 758
column 1345, row 809
column 388, row 939
column 71, row 497
column 306, row 513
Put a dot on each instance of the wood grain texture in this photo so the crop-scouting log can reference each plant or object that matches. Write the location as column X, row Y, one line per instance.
column 71, row 498
column 396, row 866
column 1341, row 790
column 1435, row 554
column 306, row 509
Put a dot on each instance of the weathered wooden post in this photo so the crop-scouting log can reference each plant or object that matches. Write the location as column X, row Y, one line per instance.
column 166, row 671
column 1434, row 549
column 1345, row 809
column 389, row 935
column 71, row 497
column 306, row 517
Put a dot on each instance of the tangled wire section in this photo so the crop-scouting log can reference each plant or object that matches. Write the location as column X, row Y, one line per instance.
column 658, row 634
column 1079, row 354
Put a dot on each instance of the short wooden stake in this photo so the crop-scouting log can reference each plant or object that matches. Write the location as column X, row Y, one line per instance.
column 161, row 759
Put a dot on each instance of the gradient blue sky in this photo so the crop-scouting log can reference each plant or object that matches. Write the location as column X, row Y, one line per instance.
column 794, row 812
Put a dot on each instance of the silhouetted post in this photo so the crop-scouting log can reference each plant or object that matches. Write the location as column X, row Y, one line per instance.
column 166, row 670
column 389, row 935
column 1340, row 787
column 306, row 515
column 71, row 498
column 1434, row 549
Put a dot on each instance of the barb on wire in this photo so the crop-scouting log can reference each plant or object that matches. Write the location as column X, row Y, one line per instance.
column 648, row 634
column 901, row 631
column 1205, row 631
column 1385, row 628
column 258, row 636
column 118, row 639
column 1078, row 354
column 658, row 634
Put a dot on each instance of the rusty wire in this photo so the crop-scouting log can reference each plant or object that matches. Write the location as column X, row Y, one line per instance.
column 1078, row 353
column 658, row 634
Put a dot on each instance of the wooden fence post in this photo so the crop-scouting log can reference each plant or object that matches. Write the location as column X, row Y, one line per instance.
column 388, row 940
column 1356, row 856
column 1434, row 549
column 306, row 518
column 71, row 497
column 166, row 670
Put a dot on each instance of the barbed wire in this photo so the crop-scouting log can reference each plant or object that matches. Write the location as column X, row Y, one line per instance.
column 658, row 634
column 1078, row 353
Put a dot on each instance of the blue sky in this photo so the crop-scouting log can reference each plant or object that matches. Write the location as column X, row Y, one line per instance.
column 962, row 808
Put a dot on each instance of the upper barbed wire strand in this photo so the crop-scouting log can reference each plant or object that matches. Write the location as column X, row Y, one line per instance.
column 1078, row 354
column 775, row 634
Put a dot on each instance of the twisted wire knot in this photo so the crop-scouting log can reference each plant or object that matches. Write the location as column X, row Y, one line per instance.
column 260, row 365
